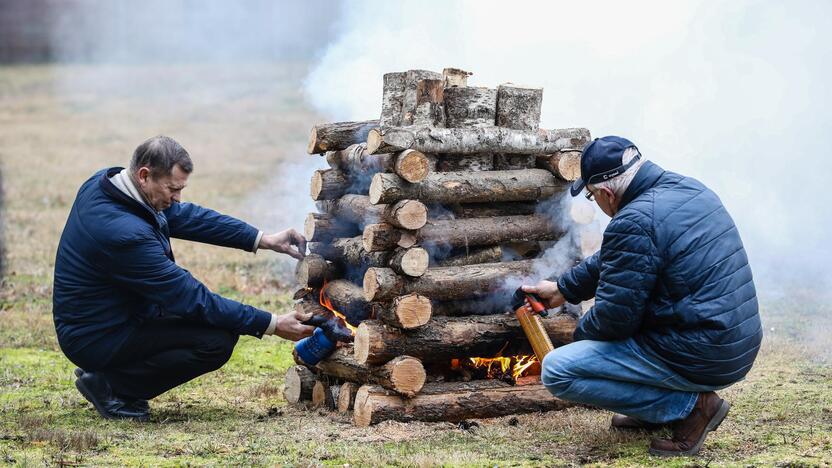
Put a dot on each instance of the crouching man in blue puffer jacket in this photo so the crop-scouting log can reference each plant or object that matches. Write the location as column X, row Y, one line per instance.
column 675, row 315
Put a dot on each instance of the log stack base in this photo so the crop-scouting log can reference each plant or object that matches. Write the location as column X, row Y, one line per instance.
column 430, row 217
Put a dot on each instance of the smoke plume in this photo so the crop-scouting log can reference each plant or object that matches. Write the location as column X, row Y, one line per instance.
column 734, row 94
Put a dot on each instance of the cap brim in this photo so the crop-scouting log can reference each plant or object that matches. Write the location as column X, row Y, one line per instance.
column 577, row 187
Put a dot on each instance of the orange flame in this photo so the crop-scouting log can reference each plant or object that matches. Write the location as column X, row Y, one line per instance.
column 519, row 365
column 328, row 305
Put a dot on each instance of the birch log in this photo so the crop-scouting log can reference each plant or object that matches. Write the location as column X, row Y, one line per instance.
column 338, row 136
column 468, row 187
column 435, row 140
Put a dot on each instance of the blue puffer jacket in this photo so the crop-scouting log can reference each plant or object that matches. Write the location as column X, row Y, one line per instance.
column 115, row 269
column 673, row 274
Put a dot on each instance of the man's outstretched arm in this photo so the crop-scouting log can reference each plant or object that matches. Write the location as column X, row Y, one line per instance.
column 142, row 267
column 190, row 221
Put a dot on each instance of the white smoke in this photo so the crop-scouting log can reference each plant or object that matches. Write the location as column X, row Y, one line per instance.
column 732, row 93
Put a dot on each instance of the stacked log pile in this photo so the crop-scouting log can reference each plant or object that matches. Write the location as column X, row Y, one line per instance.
column 425, row 216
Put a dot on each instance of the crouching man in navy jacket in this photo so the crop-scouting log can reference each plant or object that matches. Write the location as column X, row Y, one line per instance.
column 134, row 322
column 675, row 315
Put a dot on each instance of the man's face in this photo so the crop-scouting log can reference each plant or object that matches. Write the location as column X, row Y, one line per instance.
column 164, row 191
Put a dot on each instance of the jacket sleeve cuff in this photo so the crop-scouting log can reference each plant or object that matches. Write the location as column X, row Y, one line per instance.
column 272, row 325
column 567, row 294
column 257, row 242
column 260, row 324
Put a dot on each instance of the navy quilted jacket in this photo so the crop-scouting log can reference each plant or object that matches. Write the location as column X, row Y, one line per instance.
column 673, row 274
column 115, row 269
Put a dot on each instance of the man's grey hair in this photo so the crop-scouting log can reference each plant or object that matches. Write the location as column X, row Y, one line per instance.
column 160, row 154
column 618, row 185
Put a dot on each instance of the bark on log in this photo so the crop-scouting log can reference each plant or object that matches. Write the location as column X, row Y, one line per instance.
column 313, row 270
column 445, row 338
column 349, row 252
column 411, row 83
column 484, row 210
column 473, row 162
column 298, row 384
column 356, row 162
column 513, row 162
column 383, row 236
column 348, row 299
column 519, row 108
column 430, row 109
column 455, row 77
column 444, row 283
column 402, row 374
column 357, row 209
column 452, row 401
column 411, row 262
column 323, row 227
column 490, row 231
column 498, row 304
column 435, row 140
column 566, row 165
column 468, row 187
column 392, row 99
column 469, row 107
column 493, row 254
column 329, row 184
column 339, row 135
column 406, row 312
column 346, row 397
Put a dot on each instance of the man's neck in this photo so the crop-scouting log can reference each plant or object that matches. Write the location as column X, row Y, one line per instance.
column 126, row 182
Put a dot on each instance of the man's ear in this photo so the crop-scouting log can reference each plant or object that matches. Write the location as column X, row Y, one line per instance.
column 142, row 175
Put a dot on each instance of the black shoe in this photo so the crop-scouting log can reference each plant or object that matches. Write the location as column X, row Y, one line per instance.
column 78, row 372
column 135, row 404
column 98, row 392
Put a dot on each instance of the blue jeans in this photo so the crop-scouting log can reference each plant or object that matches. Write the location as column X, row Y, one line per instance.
column 620, row 376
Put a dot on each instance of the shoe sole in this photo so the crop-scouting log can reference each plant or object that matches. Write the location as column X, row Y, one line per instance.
column 101, row 411
column 713, row 425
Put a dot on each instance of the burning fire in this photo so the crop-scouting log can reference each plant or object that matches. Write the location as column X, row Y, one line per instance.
column 496, row 366
column 328, row 305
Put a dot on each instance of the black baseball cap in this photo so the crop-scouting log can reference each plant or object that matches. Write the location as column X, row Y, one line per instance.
column 601, row 160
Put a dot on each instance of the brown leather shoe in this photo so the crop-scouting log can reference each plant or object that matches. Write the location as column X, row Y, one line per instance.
column 689, row 433
column 627, row 423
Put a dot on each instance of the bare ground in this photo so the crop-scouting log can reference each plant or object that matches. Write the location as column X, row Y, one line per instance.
column 246, row 127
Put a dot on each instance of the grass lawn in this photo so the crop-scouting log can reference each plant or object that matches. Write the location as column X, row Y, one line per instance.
column 246, row 128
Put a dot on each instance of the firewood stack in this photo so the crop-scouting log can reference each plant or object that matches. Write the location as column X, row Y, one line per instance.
column 429, row 218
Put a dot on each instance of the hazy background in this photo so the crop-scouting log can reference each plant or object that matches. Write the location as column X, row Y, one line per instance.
column 732, row 93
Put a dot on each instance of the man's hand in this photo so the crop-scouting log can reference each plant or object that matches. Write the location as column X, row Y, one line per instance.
column 548, row 293
column 283, row 241
column 289, row 326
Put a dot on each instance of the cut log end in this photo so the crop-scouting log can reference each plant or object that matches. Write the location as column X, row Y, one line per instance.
column 346, row 397
column 412, row 166
column 374, row 141
column 407, row 374
column 414, row 262
column 409, row 214
column 313, row 141
column 319, row 391
column 411, row 311
column 316, row 185
column 361, row 344
column 298, row 384
column 362, row 409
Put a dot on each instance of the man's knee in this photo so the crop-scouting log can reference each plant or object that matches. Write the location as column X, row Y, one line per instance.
column 216, row 346
column 561, row 367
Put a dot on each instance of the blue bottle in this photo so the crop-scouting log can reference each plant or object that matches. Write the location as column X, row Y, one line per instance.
column 314, row 348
